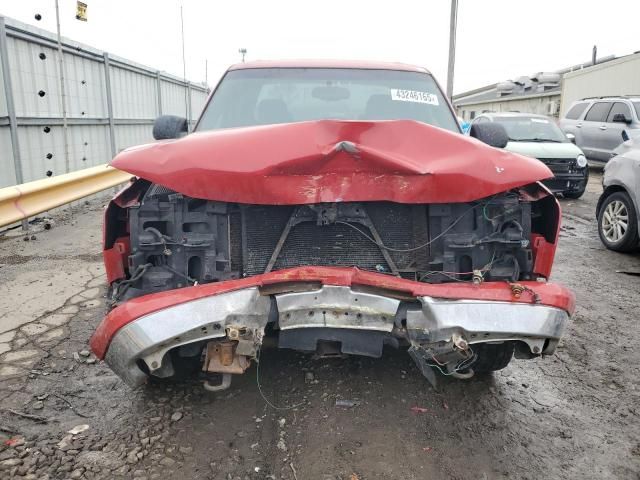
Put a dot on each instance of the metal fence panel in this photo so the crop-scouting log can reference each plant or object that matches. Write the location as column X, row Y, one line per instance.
column 3, row 99
column 134, row 95
column 127, row 135
column 173, row 98
column 36, row 90
column 89, row 146
column 42, row 153
column 85, row 87
column 7, row 174
column 111, row 103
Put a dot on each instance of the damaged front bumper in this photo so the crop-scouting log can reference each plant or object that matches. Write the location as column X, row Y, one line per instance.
column 356, row 312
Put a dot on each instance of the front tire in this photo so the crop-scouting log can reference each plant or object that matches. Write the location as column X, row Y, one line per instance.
column 492, row 356
column 575, row 195
column 618, row 223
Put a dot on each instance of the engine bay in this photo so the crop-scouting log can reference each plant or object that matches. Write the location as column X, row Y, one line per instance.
column 176, row 241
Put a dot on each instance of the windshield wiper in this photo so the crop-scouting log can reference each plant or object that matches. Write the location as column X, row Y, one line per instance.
column 535, row 140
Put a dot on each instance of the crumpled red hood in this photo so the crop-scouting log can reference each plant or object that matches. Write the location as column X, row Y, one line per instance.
column 327, row 161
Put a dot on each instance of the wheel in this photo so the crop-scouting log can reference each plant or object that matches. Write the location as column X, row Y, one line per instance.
column 491, row 356
column 576, row 194
column 618, row 223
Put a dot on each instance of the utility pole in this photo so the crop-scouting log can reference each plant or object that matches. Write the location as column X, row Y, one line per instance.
column 452, row 47
column 63, row 96
column 184, row 74
column 243, row 52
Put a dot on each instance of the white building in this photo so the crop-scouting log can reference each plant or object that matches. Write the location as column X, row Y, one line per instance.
column 547, row 93
column 521, row 95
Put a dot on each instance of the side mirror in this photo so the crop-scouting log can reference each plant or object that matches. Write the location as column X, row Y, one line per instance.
column 571, row 137
column 169, row 126
column 492, row 134
column 621, row 118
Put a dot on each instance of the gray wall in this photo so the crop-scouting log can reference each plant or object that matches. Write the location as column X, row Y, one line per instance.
column 96, row 84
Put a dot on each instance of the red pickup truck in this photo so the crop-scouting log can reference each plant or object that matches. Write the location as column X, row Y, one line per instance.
column 334, row 208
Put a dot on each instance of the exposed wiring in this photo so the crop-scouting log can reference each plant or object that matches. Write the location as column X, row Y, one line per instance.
column 461, row 366
column 453, row 224
column 160, row 236
column 266, row 400
column 186, row 277
column 501, row 214
column 451, row 275
column 464, row 364
column 167, row 240
column 124, row 285
column 404, row 250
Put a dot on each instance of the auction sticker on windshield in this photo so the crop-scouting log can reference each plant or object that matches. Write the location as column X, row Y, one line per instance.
column 413, row 96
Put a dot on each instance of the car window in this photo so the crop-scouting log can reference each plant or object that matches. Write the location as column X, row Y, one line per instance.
column 619, row 107
column 531, row 129
column 575, row 111
column 636, row 105
column 598, row 112
column 481, row 120
column 264, row 96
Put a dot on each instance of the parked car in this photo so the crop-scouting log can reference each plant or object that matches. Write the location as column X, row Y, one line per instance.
column 329, row 207
column 617, row 209
column 539, row 137
column 600, row 124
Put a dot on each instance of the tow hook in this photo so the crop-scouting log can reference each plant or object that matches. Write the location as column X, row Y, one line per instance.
column 221, row 358
column 226, row 383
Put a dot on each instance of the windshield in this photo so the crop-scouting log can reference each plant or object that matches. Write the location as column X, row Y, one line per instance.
column 265, row 96
column 531, row 129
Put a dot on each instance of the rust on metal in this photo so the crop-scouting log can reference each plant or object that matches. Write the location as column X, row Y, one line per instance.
column 221, row 358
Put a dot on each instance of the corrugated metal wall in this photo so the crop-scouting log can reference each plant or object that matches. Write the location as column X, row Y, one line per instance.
column 615, row 77
column 96, row 85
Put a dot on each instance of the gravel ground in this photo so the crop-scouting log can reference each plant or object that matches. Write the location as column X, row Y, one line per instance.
column 573, row 415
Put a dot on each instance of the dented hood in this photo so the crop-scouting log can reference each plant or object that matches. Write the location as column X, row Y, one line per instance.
column 328, row 161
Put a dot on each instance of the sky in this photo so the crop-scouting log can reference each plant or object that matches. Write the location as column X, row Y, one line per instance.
column 496, row 39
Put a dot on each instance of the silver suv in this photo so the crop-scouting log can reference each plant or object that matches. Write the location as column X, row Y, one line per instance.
column 600, row 124
column 618, row 206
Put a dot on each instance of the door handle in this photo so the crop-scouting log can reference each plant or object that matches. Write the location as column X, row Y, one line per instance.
column 579, row 125
column 603, row 127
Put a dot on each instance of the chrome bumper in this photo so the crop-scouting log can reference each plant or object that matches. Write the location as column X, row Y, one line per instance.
column 427, row 320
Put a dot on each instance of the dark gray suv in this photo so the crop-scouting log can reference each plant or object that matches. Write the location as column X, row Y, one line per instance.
column 600, row 124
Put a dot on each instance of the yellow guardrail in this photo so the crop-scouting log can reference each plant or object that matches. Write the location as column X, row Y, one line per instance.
column 28, row 199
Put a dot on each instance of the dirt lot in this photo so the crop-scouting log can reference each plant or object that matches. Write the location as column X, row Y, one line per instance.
column 575, row 415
